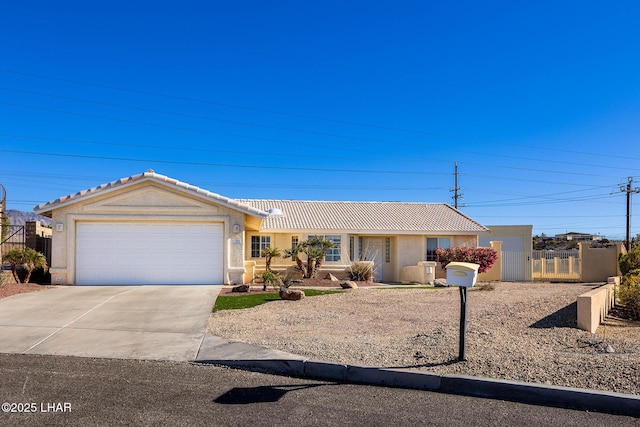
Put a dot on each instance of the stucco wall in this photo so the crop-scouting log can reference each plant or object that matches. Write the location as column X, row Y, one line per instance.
column 495, row 272
column 598, row 264
column 517, row 238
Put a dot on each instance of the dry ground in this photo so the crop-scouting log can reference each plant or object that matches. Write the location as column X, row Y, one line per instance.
column 519, row 331
column 9, row 287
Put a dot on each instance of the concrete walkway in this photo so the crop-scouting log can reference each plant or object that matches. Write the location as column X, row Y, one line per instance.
column 124, row 322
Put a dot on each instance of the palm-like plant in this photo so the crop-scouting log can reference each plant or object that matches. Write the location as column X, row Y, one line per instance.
column 31, row 260
column 322, row 245
column 294, row 254
column 27, row 258
column 14, row 258
column 269, row 253
column 313, row 258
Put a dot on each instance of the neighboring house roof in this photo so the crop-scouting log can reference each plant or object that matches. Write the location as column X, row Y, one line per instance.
column 366, row 217
column 149, row 175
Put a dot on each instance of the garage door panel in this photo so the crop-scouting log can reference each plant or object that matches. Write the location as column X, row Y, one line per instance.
column 163, row 253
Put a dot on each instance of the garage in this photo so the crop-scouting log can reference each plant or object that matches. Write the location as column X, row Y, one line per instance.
column 137, row 253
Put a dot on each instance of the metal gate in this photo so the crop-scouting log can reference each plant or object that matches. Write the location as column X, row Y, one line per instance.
column 556, row 265
column 13, row 237
column 516, row 266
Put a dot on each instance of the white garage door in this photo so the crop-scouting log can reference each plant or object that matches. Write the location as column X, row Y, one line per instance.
column 146, row 254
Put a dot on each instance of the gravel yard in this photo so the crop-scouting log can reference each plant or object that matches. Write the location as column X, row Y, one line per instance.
column 518, row 331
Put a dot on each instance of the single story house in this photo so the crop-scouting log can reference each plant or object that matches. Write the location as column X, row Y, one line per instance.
column 152, row 229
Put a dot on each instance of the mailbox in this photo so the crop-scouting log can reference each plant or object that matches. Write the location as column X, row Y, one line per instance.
column 462, row 273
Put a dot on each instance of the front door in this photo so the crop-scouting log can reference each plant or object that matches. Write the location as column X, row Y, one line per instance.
column 373, row 250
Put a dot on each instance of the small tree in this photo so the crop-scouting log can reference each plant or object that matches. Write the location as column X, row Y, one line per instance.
column 269, row 253
column 294, row 254
column 484, row 257
column 27, row 258
column 31, row 260
column 315, row 249
column 273, row 279
column 14, row 258
column 6, row 228
column 321, row 245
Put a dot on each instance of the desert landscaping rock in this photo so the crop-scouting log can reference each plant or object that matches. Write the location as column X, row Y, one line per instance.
column 349, row 285
column 292, row 294
column 518, row 331
column 241, row 288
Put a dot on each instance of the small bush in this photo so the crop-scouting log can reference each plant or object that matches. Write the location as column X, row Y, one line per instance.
column 273, row 279
column 630, row 261
column 484, row 257
column 361, row 271
column 629, row 292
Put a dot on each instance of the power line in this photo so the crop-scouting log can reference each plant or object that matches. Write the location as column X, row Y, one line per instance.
column 272, row 127
column 253, row 152
column 289, row 114
column 234, row 165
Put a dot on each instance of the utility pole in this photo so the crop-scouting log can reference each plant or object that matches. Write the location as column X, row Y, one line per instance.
column 3, row 202
column 456, row 190
column 3, row 212
column 629, row 190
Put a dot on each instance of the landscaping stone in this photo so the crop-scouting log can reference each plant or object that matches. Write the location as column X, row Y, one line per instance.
column 440, row 283
column 291, row 294
column 240, row 288
column 348, row 284
column 331, row 277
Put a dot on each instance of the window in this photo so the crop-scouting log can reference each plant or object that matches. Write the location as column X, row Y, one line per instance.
column 387, row 249
column 258, row 243
column 294, row 241
column 352, row 242
column 333, row 255
column 434, row 243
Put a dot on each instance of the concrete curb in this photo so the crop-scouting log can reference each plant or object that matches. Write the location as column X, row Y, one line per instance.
column 244, row 356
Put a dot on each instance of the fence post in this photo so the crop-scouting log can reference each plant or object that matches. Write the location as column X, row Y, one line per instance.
column 571, row 260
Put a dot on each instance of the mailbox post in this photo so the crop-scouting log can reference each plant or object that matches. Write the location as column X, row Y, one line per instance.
column 463, row 275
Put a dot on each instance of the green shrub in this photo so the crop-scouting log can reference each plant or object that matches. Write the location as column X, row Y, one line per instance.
column 273, row 279
column 630, row 261
column 628, row 293
column 26, row 259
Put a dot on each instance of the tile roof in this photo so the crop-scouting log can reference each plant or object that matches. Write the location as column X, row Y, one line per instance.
column 149, row 175
column 371, row 217
column 286, row 215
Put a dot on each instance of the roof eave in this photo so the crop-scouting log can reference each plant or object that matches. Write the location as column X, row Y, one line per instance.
column 45, row 209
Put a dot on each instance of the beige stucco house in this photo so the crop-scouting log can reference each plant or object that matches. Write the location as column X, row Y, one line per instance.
column 152, row 229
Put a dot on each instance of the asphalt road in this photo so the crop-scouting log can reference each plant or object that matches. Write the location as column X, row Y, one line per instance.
column 59, row 390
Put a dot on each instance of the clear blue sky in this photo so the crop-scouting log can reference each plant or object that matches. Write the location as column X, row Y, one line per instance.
column 537, row 102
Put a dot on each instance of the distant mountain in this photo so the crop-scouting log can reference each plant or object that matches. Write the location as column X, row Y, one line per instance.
column 19, row 218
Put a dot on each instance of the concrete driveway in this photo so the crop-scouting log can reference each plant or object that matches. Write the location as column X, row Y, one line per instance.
column 124, row 322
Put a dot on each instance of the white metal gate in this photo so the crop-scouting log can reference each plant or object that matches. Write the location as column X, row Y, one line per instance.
column 516, row 266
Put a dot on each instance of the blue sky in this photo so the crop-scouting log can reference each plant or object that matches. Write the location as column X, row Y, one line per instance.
column 537, row 102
